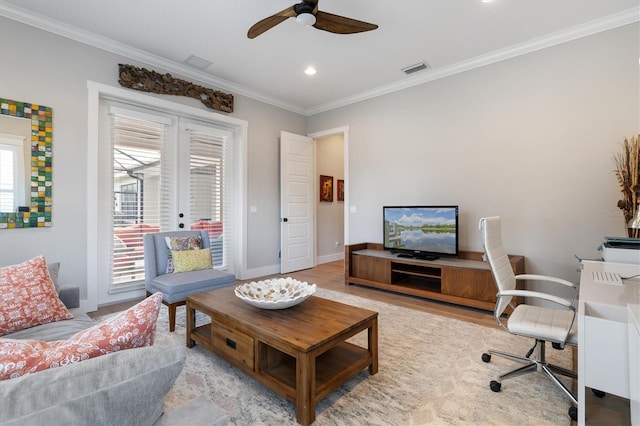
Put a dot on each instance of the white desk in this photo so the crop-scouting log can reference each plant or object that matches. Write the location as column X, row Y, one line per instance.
column 607, row 352
column 634, row 362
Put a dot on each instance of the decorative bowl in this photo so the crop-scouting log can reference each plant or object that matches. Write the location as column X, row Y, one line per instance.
column 277, row 293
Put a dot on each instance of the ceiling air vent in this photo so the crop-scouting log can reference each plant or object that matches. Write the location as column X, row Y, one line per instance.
column 416, row 67
column 198, row 62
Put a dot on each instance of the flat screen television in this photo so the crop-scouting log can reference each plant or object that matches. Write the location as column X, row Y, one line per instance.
column 422, row 232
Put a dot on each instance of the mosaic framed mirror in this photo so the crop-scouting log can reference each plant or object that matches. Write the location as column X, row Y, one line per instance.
column 26, row 154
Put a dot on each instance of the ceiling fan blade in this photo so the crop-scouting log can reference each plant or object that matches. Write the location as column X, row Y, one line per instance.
column 341, row 25
column 270, row 22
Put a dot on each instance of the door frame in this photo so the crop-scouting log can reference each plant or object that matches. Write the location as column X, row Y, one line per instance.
column 344, row 131
column 239, row 128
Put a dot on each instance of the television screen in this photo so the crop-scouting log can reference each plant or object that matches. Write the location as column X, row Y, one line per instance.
column 421, row 231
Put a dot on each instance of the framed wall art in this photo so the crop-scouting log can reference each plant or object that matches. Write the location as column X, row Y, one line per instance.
column 326, row 188
column 340, row 193
column 30, row 194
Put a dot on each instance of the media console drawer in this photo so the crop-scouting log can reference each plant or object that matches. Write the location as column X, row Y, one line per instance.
column 373, row 269
column 469, row 283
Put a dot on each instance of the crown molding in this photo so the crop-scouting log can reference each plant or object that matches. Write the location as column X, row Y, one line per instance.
column 54, row 26
column 86, row 37
column 599, row 25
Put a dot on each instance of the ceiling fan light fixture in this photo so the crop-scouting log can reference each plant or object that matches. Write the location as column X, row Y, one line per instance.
column 307, row 19
column 307, row 13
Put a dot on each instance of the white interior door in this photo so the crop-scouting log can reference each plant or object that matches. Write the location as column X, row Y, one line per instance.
column 297, row 208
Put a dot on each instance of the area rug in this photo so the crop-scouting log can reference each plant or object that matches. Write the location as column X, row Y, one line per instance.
column 430, row 373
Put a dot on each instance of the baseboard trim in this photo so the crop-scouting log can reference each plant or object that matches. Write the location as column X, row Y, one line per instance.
column 275, row 269
column 330, row 258
column 262, row 272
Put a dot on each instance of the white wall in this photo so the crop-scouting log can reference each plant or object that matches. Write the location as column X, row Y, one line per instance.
column 330, row 216
column 530, row 139
column 43, row 68
column 263, row 227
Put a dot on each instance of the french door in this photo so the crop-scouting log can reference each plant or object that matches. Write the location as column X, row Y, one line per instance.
column 168, row 172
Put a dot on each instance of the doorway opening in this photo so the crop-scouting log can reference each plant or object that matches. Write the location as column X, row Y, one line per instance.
column 337, row 149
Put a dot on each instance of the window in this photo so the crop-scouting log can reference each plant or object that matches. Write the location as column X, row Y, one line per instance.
column 129, row 202
column 12, row 173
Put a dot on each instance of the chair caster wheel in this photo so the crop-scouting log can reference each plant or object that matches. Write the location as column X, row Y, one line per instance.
column 598, row 393
column 486, row 357
column 495, row 386
column 573, row 413
column 557, row 346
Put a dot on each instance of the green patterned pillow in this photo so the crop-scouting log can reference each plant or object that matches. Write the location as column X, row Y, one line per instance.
column 191, row 260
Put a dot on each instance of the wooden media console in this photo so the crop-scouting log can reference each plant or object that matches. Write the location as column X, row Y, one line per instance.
column 465, row 280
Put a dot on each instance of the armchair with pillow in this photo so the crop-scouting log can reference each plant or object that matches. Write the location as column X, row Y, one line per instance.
column 178, row 264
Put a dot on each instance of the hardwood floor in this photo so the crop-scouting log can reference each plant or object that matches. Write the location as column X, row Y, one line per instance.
column 330, row 276
column 610, row 410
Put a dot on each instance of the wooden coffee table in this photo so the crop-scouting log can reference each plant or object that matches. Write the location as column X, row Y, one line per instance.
column 300, row 352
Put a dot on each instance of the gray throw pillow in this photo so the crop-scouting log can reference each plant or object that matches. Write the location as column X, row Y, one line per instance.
column 121, row 388
column 54, row 271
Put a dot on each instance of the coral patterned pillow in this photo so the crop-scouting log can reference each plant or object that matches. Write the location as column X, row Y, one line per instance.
column 28, row 297
column 133, row 328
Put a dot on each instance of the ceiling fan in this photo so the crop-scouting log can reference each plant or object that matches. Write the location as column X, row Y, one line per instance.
column 307, row 13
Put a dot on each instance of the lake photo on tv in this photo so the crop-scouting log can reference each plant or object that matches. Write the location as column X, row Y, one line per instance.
column 439, row 241
column 425, row 229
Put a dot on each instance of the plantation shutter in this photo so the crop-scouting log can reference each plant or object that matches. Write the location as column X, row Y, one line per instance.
column 210, row 163
column 140, row 186
column 169, row 173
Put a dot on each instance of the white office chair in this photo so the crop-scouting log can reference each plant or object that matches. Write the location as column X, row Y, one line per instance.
column 555, row 324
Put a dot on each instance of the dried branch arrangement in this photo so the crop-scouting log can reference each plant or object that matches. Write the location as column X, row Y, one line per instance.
column 627, row 163
column 154, row 82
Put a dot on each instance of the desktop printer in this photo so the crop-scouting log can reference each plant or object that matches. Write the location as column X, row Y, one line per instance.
column 620, row 250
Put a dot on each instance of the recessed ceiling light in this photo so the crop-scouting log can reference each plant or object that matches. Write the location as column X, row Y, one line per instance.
column 487, row 1
column 310, row 71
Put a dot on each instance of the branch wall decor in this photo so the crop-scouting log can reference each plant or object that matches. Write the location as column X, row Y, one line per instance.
column 151, row 81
